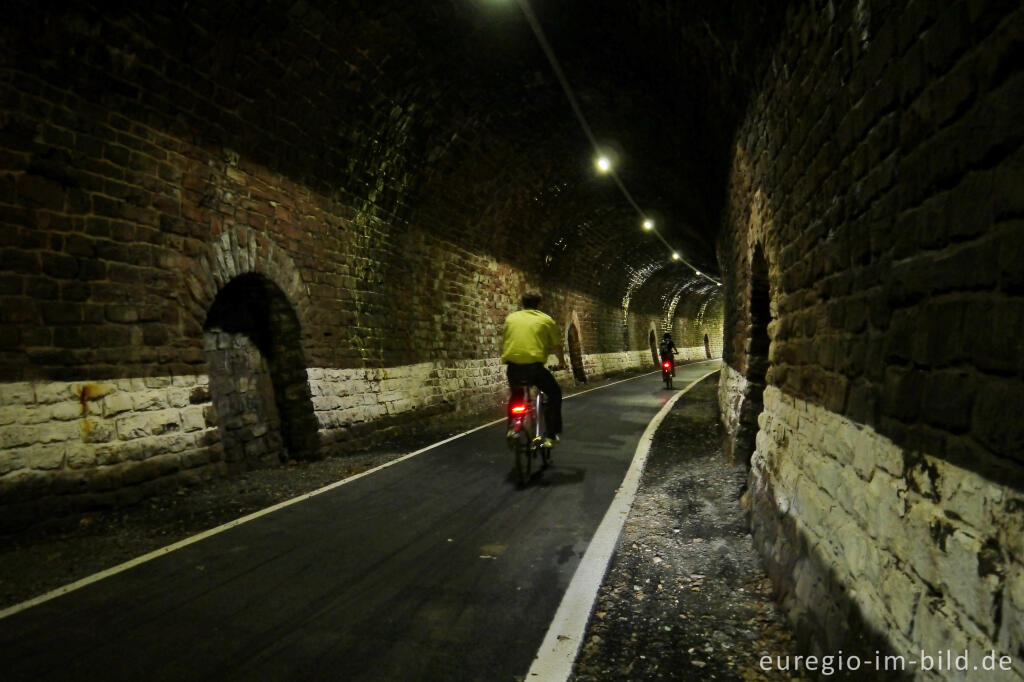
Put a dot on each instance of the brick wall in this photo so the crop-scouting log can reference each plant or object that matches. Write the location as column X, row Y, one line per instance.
column 873, row 238
column 257, row 254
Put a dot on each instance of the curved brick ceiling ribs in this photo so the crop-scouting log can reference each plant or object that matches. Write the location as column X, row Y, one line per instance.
column 446, row 114
column 464, row 85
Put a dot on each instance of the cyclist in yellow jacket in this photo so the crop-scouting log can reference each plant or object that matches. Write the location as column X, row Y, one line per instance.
column 529, row 337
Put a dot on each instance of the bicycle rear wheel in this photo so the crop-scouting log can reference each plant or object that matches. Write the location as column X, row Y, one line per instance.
column 524, row 458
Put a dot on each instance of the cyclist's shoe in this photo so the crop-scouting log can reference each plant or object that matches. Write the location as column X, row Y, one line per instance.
column 510, row 437
column 545, row 451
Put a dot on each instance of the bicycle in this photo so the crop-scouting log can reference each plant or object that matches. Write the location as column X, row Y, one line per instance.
column 525, row 433
column 668, row 370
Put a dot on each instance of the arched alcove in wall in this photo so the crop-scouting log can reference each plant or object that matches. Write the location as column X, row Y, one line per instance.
column 757, row 357
column 653, row 340
column 258, row 374
column 576, row 354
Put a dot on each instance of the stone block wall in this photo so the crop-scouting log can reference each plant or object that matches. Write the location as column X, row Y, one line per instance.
column 872, row 254
column 732, row 393
column 73, row 445
column 242, row 392
column 701, row 334
column 913, row 545
column 350, row 403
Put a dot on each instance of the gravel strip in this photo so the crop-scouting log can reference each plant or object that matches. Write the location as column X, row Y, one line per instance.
column 685, row 597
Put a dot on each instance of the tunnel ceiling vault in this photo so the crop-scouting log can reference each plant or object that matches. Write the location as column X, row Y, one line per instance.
column 663, row 86
column 669, row 285
column 447, row 115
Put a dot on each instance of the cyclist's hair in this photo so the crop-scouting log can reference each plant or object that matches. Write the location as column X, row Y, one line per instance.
column 531, row 298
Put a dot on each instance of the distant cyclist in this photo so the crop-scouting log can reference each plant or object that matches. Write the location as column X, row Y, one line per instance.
column 529, row 337
column 667, row 349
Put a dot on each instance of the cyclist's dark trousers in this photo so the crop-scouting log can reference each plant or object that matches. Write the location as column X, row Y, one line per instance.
column 539, row 376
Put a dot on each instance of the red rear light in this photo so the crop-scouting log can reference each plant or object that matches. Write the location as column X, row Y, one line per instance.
column 518, row 409
column 667, row 365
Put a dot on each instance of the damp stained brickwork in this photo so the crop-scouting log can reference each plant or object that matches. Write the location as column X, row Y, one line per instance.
column 878, row 171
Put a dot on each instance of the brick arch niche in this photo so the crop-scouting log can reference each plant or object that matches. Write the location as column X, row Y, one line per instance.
column 757, row 357
column 252, row 300
column 258, row 375
column 653, row 340
column 576, row 354
column 574, row 346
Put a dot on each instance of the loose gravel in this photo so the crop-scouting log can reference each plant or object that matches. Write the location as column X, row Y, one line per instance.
column 685, row 597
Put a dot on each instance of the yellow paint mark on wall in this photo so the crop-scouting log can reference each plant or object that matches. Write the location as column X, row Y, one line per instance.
column 87, row 393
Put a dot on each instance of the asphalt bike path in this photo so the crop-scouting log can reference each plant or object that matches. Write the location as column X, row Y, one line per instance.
column 437, row 567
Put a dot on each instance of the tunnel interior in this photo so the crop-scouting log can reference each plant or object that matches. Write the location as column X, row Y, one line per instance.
column 840, row 181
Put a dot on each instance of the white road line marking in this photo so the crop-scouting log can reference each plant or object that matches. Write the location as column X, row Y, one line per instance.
column 640, row 376
column 70, row 587
column 95, row 577
column 561, row 645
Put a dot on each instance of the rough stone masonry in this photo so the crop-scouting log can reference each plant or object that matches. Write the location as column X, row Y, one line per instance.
column 875, row 373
